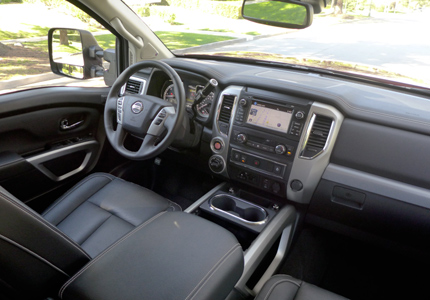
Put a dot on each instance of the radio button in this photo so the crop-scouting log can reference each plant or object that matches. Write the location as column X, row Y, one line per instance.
column 277, row 169
column 300, row 115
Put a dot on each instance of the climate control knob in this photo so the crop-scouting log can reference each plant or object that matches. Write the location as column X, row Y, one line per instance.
column 241, row 138
column 280, row 149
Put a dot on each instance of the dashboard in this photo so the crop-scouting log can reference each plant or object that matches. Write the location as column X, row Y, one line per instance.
column 350, row 151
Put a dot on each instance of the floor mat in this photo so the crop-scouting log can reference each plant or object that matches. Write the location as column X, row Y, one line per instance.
column 355, row 269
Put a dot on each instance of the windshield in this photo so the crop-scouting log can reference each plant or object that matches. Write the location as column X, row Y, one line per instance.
column 376, row 38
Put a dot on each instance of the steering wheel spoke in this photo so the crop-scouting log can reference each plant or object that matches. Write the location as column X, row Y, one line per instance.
column 119, row 135
column 148, row 144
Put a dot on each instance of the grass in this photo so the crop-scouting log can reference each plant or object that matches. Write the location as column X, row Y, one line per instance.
column 216, row 30
column 181, row 40
column 24, row 31
column 277, row 11
column 106, row 41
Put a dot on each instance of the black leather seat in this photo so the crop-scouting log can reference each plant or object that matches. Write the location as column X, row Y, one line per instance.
column 39, row 253
column 284, row 287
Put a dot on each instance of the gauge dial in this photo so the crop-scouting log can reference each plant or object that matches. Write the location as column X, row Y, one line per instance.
column 169, row 95
column 204, row 107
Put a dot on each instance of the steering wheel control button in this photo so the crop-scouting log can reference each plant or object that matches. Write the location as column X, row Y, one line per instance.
column 162, row 114
column 296, row 185
column 119, row 109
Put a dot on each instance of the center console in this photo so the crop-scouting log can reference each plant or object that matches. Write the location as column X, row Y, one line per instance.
column 269, row 148
column 256, row 137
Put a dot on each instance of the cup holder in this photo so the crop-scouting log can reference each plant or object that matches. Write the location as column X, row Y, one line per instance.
column 238, row 208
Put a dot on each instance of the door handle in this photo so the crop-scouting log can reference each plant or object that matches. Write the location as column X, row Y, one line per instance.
column 64, row 124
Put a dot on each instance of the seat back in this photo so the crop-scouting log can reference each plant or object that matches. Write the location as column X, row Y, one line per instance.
column 36, row 259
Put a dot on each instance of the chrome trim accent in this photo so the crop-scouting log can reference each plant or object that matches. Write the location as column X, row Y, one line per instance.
column 137, row 107
column 37, row 161
column 308, row 133
column 219, row 111
column 284, row 245
column 205, row 197
column 234, row 216
column 223, row 161
column 142, row 87
column 64, row 124
column 262, row 244
column 309, row 171
column 217, row 139
column 232, row 91
column 256, row 169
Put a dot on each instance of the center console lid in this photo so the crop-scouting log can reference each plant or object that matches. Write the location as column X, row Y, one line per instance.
column 174, row 255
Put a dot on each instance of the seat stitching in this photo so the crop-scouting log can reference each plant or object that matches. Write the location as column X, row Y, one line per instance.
column 272, row 288
column 97, row 258
column 113, row 214
column 101, row 224
column 45, row 223
column 22, row 247
column 209, row 274
column 75, row 188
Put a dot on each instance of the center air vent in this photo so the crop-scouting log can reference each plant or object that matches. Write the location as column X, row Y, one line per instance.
column 225, row 113
column 318, row 133
column 135, row 86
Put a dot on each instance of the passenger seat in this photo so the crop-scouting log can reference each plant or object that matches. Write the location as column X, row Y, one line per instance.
column 285, row 287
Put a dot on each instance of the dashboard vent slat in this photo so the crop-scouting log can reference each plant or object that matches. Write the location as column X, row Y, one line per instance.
column 226, row 108
column 133, row 86
column 318, row 136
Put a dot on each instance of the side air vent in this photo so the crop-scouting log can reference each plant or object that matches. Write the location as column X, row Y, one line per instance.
column 317, row 135
column 134, row 86
column 226, row 108
column 225, row 113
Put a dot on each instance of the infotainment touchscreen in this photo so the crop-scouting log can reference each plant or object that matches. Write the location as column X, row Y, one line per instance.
column 270, row 116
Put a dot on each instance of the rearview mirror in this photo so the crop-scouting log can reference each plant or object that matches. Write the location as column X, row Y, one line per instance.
column 287, row 14
column 73, row 53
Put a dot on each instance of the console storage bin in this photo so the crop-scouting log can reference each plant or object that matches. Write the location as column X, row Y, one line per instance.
column 174, row 255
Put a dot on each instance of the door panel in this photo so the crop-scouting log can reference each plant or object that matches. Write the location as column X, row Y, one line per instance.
column 49, row 137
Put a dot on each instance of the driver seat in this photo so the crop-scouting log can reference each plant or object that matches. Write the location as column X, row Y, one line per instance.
column 39, row 253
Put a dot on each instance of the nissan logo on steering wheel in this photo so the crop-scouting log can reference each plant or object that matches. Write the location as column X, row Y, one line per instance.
column 137, row 107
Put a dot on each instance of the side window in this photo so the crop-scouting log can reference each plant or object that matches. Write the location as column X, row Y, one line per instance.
column 24, row 59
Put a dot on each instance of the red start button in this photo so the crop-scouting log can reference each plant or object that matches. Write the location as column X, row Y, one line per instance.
column 217, row 145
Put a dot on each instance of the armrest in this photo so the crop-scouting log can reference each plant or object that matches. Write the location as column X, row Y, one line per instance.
column 174, row 255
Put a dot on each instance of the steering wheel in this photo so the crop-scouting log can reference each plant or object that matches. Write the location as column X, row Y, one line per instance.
column 155, row 121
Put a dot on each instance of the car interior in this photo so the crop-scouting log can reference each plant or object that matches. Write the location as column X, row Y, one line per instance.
column 195, row 178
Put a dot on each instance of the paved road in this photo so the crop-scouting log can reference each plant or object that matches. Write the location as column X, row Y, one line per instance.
column 399, row 43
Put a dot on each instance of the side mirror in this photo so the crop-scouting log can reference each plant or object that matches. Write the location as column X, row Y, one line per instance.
column 287, row 14
column 74, row 53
